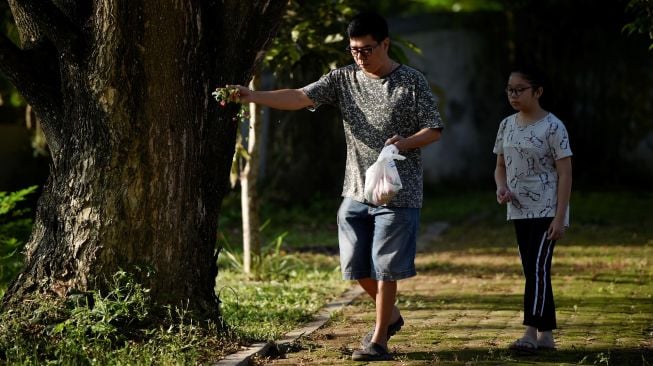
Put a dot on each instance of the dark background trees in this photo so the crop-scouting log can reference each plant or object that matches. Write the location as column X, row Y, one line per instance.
column 600, row 85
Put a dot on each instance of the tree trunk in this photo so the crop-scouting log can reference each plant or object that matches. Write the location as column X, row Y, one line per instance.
column 249, row 202
column 140, row 151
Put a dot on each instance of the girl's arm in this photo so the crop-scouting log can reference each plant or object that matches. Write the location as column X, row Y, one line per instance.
column 500, row 178
column 557, row 227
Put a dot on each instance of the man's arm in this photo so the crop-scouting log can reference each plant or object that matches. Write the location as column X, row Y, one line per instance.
column 286, row 99
column 422, row 138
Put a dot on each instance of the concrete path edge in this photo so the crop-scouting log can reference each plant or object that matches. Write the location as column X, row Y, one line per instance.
column 243, row 357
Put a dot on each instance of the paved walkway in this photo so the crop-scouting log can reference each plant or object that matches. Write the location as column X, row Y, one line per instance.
column 464, row 309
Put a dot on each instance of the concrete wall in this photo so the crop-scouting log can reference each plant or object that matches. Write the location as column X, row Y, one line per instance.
column 467, row 58
column 463, row 64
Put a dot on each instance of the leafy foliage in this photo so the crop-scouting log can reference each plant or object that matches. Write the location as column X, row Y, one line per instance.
column 313, row 37
column 15, row 226
column 643, row 23
column 422, row 6
column 311, row 34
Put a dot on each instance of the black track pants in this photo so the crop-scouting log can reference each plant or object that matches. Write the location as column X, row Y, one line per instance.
column 536, row 252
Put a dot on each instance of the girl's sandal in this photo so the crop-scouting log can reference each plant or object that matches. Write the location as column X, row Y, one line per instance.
column 524, row 344
column 546, row 346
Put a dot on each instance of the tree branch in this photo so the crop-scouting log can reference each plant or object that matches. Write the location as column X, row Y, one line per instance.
column 36, row 83
column 29, row 32
column 52, row 22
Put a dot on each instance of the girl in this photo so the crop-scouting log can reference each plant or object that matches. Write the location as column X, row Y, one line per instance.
column 533, row 177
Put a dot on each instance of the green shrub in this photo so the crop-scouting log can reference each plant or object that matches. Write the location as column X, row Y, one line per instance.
column 15, row 226
column 120, row 327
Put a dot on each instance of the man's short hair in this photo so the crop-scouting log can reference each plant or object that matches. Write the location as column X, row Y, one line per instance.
column 368, row 23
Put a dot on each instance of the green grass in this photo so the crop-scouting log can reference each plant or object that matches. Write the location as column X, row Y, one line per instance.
column 464, row 306
column 463, row 309
column 309, row 226
column 296, row 276
column 265, row 310
column 116, row 328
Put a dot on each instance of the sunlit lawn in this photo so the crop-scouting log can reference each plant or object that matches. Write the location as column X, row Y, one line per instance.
column 465, row 302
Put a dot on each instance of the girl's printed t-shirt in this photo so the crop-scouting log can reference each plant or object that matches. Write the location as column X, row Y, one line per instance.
column 530, row 153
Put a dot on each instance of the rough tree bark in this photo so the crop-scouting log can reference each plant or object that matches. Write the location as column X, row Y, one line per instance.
column 140, row 151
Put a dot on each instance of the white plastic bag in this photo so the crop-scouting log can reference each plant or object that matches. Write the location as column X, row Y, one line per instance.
column 382, row 180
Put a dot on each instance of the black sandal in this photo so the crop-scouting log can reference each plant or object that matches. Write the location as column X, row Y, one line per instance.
column 373, row 352
column 524, row 344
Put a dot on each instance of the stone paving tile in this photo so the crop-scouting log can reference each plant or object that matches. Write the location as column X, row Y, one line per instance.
column 472, row 317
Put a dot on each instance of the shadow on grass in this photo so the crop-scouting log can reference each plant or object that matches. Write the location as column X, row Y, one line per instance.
column 594, row 272
column 460, row 302
column 594, row 356
column 606, row 304
column 473, row 270
column 484, row 236
column 493, row 356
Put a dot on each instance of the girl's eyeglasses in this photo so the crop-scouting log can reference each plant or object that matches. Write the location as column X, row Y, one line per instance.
column 516, row 91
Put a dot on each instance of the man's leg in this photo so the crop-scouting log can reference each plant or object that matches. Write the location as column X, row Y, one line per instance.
column 385, row 304
column 392, row 258
column 371, row 286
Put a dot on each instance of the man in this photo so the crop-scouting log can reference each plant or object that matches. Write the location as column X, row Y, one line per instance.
column 381, row 102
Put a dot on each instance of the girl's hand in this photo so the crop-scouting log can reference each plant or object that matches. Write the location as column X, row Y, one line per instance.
column 556, row 229
column 503, row 195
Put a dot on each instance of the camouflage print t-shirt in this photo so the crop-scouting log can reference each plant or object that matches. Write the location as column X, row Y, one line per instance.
column 373, row 110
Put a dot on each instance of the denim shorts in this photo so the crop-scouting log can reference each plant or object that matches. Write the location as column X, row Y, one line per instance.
column 377, row 242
